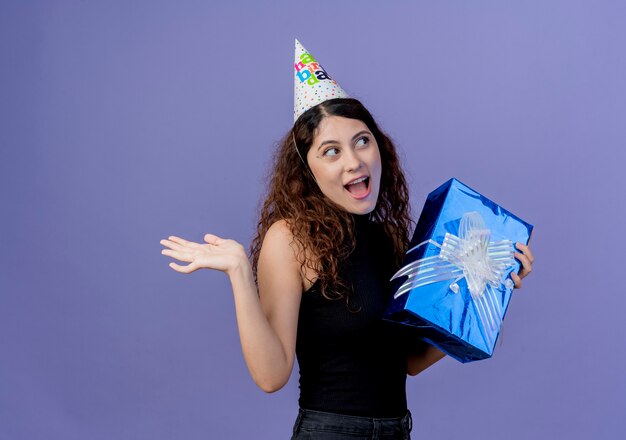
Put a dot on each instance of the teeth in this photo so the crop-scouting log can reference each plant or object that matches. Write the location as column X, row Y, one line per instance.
column 357, row 181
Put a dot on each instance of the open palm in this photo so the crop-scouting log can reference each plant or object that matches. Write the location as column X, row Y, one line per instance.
column 218, row 253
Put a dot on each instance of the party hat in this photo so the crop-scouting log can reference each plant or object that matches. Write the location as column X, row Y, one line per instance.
column 312, row 84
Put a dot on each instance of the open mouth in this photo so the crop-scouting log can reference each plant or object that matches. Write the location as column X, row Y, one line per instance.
column 359, row 187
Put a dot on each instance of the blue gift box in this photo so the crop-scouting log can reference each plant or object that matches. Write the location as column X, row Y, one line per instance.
column 454, row 285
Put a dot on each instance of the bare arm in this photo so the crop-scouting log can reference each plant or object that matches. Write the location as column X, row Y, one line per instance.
column 268, row 322
column 267, row 319
column 418, row 362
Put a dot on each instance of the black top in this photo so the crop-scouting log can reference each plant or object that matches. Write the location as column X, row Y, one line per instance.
column 353, row 362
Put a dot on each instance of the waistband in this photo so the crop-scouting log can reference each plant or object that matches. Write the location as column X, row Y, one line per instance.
column 319, row 421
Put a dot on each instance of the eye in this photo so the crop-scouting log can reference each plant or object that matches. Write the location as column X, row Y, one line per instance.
column 331, row 151
column 362, row 141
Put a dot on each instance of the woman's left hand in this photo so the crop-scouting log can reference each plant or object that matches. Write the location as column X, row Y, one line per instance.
column 527, row 259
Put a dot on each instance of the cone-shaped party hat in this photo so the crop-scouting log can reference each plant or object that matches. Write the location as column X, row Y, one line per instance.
column 312, row 84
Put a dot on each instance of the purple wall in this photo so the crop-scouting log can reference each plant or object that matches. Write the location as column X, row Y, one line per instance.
column 125, row 122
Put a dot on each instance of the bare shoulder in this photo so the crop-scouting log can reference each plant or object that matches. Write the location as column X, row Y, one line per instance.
column 279, row 242
column 278, row 255
column 279, row 229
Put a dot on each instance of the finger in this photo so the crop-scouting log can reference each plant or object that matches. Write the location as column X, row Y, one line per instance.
column 182, row 256
column 171, row 245
column 526, row 264
column 517, row 281
column 184, row 269
column 526, row 250
column 213, row 239
column 180, row 241
column 184, row 243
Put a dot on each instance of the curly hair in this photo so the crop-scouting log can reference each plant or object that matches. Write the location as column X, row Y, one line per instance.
column 320, row 228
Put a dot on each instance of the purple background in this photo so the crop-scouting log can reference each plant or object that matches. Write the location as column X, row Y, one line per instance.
column 125, row 122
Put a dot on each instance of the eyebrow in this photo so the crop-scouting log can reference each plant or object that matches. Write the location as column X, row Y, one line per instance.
column 362, row 132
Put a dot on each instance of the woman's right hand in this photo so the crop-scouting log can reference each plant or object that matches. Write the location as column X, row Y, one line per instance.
column 267, row 317
column 218, row 253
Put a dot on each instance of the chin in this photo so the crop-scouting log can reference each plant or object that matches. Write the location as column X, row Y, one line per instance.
column 363, row 209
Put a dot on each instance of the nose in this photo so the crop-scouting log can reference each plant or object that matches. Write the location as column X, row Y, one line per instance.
column 352, row 161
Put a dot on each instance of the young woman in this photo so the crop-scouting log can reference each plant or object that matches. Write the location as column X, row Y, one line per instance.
column 332, row 231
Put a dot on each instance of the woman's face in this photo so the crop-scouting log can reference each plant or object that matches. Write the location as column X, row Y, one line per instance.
column 345, row 161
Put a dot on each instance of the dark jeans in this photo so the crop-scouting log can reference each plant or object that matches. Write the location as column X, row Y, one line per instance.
column 317, row 425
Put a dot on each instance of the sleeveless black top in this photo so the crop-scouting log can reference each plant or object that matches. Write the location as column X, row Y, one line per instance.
column 352, row 362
